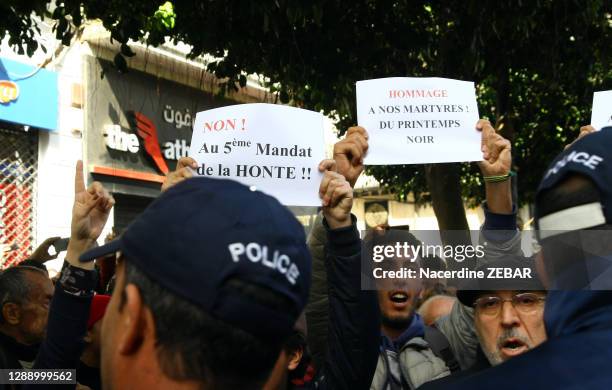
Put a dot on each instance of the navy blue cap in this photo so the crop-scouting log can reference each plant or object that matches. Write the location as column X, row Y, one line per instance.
column 590, row 156
column 203, row 232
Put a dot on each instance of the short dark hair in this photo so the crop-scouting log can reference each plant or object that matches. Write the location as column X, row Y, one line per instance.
column 193, row 345
column 15, row 286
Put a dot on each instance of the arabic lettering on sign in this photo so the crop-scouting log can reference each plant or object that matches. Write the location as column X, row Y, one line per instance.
column 178, row 118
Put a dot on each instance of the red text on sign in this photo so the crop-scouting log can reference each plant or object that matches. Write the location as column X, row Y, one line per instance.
column 417, row 93
column 225, row 124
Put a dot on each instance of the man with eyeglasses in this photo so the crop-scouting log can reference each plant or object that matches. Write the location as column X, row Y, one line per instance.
column 573, row 215
column 508, row 316
column 505, row 330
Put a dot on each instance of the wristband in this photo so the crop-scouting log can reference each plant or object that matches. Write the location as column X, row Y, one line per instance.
column 77, row 281
column 499, row 178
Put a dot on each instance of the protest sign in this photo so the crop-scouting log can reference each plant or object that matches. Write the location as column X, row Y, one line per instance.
column 601, row 114
column 418, row 120
column 274, row 148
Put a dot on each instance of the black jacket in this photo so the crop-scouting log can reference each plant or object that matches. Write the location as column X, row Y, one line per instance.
column 12, row 352
column 67, row 325
column 576, row 355
column 66, row 330
column 354, row 321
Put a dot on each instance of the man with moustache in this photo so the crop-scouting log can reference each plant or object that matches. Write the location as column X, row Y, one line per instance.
column 412, row 354
column 508, row 313
column 508, row 317
column 573, row 213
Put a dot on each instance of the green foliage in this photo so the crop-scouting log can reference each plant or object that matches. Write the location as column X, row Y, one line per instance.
column 16, row 19
column 536, row 63
column 164, row 17
column 126, row 20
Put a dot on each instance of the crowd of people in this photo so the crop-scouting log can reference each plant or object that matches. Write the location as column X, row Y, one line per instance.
column 216, row 286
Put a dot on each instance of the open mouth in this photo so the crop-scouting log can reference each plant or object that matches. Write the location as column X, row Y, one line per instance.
column 398, row 297
column 513, row 347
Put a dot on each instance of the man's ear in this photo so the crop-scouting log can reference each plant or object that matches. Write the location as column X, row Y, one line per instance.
column 11, row 313
column 295, row 358
column 131, row 321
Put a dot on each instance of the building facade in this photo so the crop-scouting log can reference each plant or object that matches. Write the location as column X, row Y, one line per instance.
column 129, row 129
column 28, row 107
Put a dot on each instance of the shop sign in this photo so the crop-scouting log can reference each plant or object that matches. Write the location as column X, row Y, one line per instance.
column 138, row 124
column 9, row 91
column 28, row 95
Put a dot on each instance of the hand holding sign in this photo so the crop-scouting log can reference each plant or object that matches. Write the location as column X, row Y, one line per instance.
column 184, row 170
column 271, row 147
column 496, row 151
column 349, row 153
column 418, row 120
column 497, row 162
column 336, row 195
column 584, row 131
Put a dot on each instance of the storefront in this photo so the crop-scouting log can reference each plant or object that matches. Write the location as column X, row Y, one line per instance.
column 28, row 104
column 137, row 126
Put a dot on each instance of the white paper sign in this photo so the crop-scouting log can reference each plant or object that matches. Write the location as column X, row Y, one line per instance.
column 274, row 148
column 601, row 114
column 418, row 120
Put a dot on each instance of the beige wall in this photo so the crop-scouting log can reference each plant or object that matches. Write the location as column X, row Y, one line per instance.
column 418, row 218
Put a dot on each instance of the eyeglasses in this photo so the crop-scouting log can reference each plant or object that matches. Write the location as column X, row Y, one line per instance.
column 524, row 303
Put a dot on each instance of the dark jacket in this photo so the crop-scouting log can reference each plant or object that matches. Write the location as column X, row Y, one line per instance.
column 66, row 330
column 89, row 376
column 577, row 354
column 12, row 352
column 67, row 325
column 15, row 355
column 458, row 328
column 353, row 327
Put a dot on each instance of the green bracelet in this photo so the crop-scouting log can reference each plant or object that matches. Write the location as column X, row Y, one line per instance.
column 499, row 178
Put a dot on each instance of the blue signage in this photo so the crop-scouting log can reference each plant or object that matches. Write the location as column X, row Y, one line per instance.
column 27, row 96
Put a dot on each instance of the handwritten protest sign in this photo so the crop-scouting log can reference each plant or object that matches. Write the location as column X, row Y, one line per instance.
column 601, row 114
column 274, row 148
column 418, row 120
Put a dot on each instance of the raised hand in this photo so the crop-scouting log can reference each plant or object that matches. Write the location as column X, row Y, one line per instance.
column 584, row 131
column 349, row 153
column 497, row 161
column 90, row 212
column 41, row 253
column 181, row 172
column 496, row 151
column 336, row 196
